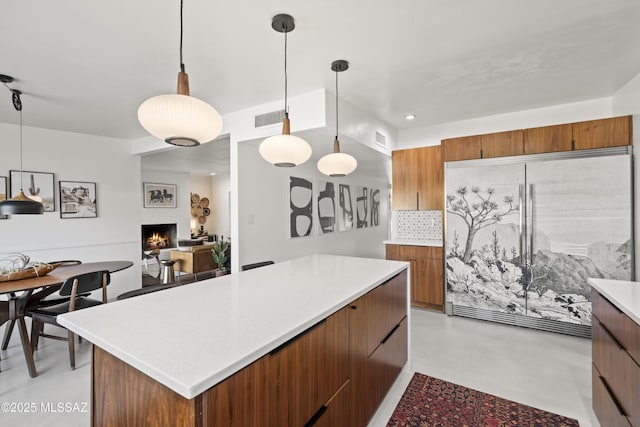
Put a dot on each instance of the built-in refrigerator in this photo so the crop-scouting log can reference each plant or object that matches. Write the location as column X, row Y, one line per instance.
column 523, row 234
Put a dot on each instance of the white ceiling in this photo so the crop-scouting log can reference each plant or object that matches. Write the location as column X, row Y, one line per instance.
column 86, row 66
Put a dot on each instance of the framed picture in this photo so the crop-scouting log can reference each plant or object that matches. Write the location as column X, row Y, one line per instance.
column 159, row 195
column 300, row 207
column 36, row 185
column 326, row 211
column 78, row 199
column 3, row 192
column 345, row 208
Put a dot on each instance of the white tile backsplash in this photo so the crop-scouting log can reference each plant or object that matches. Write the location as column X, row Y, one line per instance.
column 421, row 225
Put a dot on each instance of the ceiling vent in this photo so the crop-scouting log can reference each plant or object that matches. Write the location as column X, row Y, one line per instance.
column 267, row 119
column 381, row 140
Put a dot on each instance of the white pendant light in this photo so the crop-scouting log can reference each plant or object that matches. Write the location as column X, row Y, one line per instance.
column 285, row 150
column 19, row 204
column 180, row 119
column 337, row 164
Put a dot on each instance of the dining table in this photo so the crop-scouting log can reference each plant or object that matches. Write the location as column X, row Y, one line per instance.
column 22, row 295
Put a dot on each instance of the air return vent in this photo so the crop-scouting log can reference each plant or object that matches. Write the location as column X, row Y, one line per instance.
column 271, row 118
column 381, row 140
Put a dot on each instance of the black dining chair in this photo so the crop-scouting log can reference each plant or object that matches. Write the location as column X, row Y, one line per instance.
column 53, row 299
column 4, row 313
column 74, row 287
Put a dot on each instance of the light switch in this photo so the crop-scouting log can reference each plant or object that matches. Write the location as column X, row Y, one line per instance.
column 252, row 219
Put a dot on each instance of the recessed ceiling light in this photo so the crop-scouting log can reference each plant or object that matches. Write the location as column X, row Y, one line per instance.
column 410, row 116
column 212, row 173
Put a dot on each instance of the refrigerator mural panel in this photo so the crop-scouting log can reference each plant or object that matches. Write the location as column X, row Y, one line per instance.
column 524, row 234
column 579, row 227
column 483, row 237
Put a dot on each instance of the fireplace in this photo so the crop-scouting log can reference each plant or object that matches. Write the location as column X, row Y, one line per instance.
column 159, row 236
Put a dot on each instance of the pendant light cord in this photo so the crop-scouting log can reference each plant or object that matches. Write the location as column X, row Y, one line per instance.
column 336, row 105
column 286, row 106
column 21, row 183
column 181, row 64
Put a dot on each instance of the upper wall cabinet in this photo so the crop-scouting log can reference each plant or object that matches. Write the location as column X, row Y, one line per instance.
column 502, row 144
column 602, row 133
column 548, row 139
column 498, row 144
column 464, row 148
column 418, row 179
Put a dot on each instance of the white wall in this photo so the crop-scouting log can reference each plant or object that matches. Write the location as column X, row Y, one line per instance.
column 557, row 114
column 627, row 99
column 113, row 235
column 221, row 211
column 264, row 201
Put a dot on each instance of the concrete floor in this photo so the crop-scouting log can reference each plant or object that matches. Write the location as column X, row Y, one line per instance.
column 541, row 369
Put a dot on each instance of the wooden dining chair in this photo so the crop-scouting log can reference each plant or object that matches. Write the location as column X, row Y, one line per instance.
column 53, row 299
column 74, row 287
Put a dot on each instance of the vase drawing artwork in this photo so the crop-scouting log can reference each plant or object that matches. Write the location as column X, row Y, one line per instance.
column 523, row 238
column 345, row 204
column 362, row 207
column 300, row 207
column 326, row 207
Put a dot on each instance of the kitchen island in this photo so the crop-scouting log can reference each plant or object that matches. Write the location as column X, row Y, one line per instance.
column 616, row 351
column 319, row 339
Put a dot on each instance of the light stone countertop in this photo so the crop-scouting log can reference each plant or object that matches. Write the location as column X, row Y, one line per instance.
column 191, row 337
column 414, row 242
column 622, row 293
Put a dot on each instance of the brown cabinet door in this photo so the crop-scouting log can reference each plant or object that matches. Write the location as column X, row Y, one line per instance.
column 385, row 364
column 604, row 405
column 289, row 385
column 430, row 178
column 418, row 179
column 427, row 282
column 404, row 175
column 548, row 139
column 503, row 144
column 361, row 410
column 465, row 148
column 603, row 133
column 389, row 303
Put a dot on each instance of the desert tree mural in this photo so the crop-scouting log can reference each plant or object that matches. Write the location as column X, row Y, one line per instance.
column 477, row 210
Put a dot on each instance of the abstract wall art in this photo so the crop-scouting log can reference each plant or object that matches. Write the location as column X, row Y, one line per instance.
column 345, row 205
column 326, row 207
column 301, row 207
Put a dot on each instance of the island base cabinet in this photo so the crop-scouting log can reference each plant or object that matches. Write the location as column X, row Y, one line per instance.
column 124, row 396
column 335, row 373
column 616, row 374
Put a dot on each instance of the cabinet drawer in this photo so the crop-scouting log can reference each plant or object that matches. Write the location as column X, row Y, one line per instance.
column 385, row 364
column 389, row 303
column 621, row 326
column 604, row 404
column 620, row 372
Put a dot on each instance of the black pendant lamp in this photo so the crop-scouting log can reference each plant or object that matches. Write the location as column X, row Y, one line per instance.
column 20, row 204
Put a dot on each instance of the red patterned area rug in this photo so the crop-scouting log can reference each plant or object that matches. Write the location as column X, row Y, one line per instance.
column 430, row 402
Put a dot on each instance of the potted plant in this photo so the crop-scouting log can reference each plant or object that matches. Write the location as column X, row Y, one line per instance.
column 219, row 253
